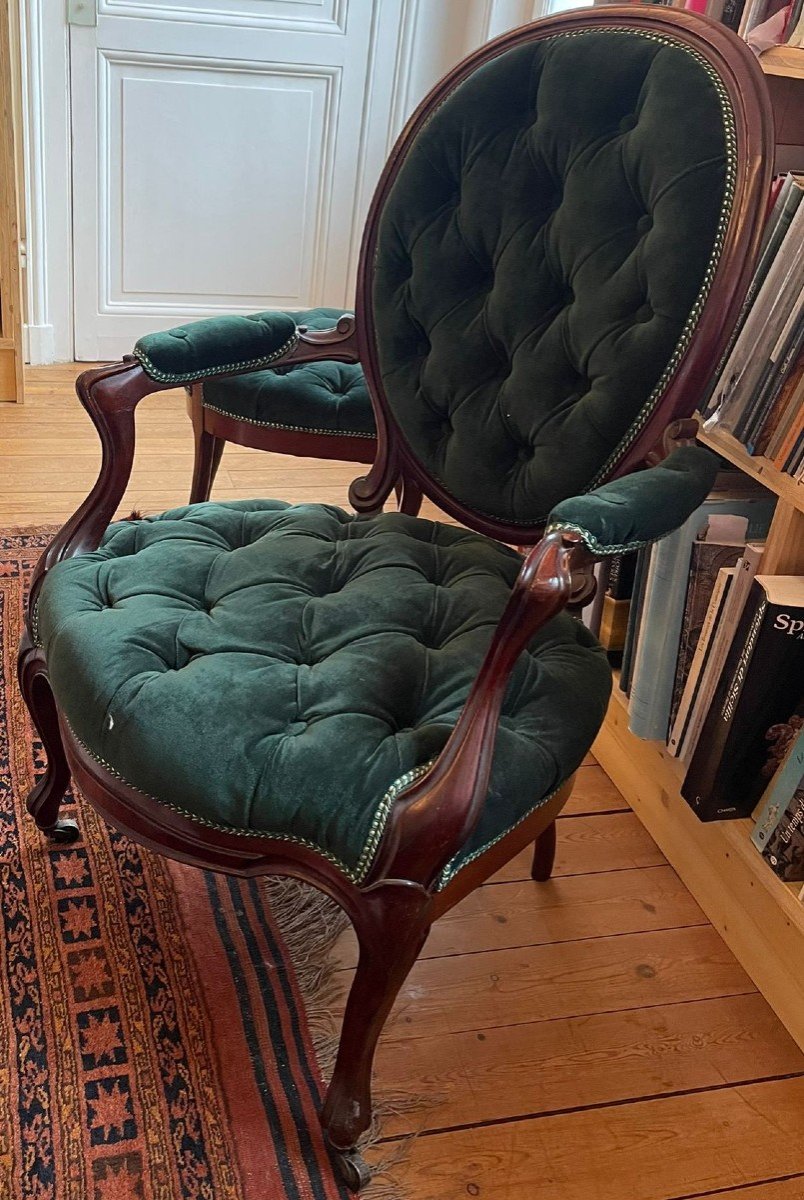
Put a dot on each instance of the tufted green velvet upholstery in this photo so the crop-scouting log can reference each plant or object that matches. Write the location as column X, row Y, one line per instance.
column 203, row 348
column 640, row 508
column 279, row 669
column 541, row 260
column 322, row 397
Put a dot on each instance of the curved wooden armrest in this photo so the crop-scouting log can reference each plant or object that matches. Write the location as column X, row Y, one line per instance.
column 434, row 817
column 110, row 394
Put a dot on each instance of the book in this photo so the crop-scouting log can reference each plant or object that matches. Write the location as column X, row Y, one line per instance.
column 792, row 411
column 722, row 636
column 720, row 546
column 784, row 848
column 759, row 687
column 778, row 409
column 668, row 568
column 732, row 13
column 777, row 226
column 774, row 372
column 689, row 694
column 781, row 289
column 634, row 618
column 784, row 779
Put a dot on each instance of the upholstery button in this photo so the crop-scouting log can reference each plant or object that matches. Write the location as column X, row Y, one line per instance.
column 644, row 313
column 525, row 453
column 645, row 223
column 628, row 123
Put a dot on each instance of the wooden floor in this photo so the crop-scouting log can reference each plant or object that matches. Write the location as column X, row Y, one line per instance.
column 591, row 1038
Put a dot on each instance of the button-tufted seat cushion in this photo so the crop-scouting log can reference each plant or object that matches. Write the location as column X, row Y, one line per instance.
column 285, row 669
column 542, row 258
column 320, row 397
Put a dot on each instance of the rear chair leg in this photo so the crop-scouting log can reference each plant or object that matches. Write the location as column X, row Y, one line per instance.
column 45, row 799
column 208, row 450
column 391, row 927
column 544, row 854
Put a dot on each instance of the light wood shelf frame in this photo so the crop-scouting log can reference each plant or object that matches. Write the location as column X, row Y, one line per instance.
column 783, row 60
column 759, row 917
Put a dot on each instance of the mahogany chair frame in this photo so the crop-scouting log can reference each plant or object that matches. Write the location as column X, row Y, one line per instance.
column 393, row 909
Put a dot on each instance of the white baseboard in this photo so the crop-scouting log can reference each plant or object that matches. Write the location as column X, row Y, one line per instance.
column 39, row 344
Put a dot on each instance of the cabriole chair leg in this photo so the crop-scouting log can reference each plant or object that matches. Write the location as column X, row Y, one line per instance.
column 208, row 454
column 391, row 929
column 208, row 449
column 45, row 799
column 544, row 854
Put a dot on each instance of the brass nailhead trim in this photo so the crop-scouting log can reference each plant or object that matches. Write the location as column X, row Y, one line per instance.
column 356, row 876
column 720, row 236
column 288, row 428
column 191, row 376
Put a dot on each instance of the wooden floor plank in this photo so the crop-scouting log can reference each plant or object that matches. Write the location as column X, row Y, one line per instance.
column 565, row 979
column 471, row 1078
column 653, row 1150
column 615, row 842
column 564, row 909
column 593, row 793
column 784, row 1189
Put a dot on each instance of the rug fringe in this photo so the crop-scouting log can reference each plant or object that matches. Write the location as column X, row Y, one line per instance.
column 311, row 923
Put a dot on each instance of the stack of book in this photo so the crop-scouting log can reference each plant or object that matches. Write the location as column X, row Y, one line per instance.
column 762, row 23
column 714, row 652
column 758, row 395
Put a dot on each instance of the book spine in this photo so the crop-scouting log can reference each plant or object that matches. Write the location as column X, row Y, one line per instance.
column 698, row 788
column 721, row 641
column 690, row 692
column 759, row 688
column 784, row 849
column 732, row 12
column 788, row 349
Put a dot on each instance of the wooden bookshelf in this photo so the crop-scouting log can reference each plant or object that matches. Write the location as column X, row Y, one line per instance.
column 783, row 60
column 759, row 917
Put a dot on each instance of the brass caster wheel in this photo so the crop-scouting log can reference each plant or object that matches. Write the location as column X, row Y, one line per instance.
column 351, row 1168
column 62, row 833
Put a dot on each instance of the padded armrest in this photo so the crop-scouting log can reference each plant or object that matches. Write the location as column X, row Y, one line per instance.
column 640, row 508
column 218, row 346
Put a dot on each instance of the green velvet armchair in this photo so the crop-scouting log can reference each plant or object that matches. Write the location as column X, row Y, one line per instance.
column 388, row 707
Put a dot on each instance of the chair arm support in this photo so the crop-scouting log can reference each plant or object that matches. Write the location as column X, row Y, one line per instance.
column 640, row 508
column 232, row 345
column 432, row 819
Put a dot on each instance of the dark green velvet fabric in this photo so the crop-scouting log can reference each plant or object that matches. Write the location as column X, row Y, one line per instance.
column 274, row 668
column 202, row 348
column 540, row 258
column 630, row 512
column 326, row 397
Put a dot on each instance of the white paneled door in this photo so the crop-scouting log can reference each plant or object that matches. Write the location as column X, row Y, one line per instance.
column 218, row 147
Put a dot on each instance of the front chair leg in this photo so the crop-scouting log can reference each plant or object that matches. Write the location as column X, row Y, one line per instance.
column 45, row 798
column 544, row 854
column 392, row 926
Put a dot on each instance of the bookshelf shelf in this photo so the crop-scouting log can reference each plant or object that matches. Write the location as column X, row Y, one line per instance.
column 758, row 468
column 783, row 60
column 758, row 916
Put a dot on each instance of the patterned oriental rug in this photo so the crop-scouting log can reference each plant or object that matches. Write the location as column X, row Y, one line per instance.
column 154, row 1039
